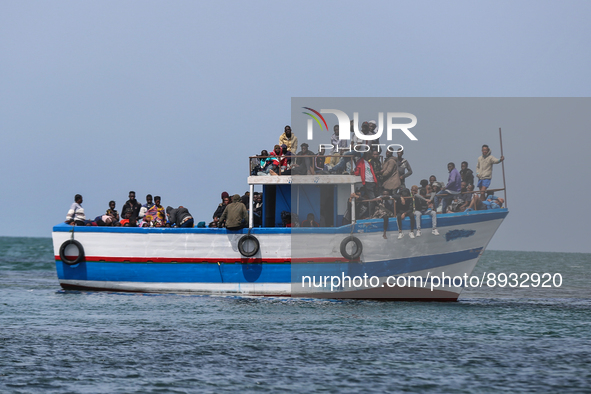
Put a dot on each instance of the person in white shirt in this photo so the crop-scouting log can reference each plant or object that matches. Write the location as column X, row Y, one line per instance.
column 75, row 215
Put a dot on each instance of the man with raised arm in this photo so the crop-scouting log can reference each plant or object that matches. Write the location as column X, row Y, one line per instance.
column 484, row 169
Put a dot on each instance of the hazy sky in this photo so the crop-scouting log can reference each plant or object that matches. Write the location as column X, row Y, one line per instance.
column 170, row 98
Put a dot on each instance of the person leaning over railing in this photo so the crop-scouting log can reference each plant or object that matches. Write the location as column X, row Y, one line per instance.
column 180, row 217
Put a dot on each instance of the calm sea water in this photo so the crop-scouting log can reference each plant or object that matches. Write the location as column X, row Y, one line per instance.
column 53, row 341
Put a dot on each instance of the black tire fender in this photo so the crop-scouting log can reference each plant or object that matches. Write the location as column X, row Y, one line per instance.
column 245, row 238
column 358, row 250
column 80, row 256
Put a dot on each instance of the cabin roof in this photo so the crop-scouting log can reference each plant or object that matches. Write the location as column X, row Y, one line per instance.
column 303, row 179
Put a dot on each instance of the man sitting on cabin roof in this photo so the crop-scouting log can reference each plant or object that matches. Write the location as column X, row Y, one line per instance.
column 289, row 139
column 285, row 163
column 304, row 165
column 320, row 162
column 258, row 165
column 276, row 158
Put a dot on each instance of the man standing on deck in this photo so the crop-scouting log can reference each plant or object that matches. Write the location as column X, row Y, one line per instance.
column 235, row 215
column 484, row 169
column 289, row 139
column 132, row 206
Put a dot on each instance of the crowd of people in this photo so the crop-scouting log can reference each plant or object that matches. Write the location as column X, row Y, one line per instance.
column 383, row 192
column 232, row 215
column 133, row 214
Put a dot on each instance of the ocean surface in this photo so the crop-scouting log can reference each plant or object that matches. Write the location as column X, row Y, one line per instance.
column 492, row 340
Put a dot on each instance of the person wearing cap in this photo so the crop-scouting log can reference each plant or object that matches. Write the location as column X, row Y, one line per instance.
column 288, row 139
column 304, row 165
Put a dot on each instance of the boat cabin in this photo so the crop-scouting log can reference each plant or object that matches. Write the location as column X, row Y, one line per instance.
column 325, row 196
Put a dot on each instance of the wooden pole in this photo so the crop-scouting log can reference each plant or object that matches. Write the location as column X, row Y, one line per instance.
column 503, row 166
